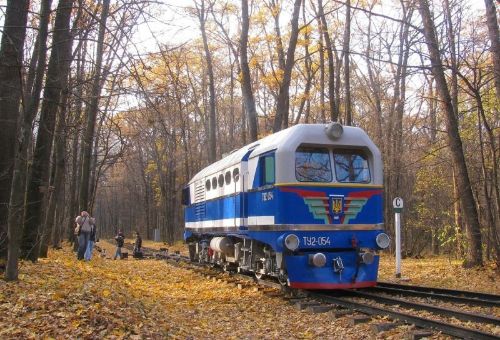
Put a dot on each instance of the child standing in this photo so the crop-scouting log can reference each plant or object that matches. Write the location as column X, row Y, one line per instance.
column 119, row 244
column 138, row 245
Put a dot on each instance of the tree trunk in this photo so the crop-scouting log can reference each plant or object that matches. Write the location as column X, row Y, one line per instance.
column 475, row 88
column 474, row 254
column 347, row 72
column 91, row 112
column 246, row 82
column 334, row 109
column 453, row 56
column 11, row 64
column 491, row 21
column 283, row 95
column 305, row 101
column 460, row 229
column 491, row 239
column 19, row 175
column 212, row 152
column 321, row 79
column 56, row 197
column 75, row 135
column 376, row 91
column 57, row 76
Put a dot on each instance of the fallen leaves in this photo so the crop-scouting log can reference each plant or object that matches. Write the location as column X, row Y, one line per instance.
column 61, row 297
column 442, row 272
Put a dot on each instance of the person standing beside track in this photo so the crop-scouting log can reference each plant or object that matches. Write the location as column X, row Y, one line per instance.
column 138, row 245
column 90, row 244
column 83, row 229
column 119, row 238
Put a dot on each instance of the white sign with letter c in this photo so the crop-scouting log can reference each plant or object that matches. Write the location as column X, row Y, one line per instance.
column 397, row 203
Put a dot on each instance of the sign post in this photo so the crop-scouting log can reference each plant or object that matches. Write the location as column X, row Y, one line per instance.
column 397, row 203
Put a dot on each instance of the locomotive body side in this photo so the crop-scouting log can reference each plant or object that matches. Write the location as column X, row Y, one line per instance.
column 297, row 205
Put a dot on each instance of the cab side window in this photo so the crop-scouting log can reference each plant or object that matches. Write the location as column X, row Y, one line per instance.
column 269, row 171
column 266, row 173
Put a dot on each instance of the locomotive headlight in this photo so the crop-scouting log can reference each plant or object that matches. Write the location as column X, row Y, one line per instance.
column 292, row 242
column 334, row 130
column 383, row 240
column 367, row 258
column 317, row 260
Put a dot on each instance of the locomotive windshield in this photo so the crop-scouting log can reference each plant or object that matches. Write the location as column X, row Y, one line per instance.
column 351, row 166
column 313, row 165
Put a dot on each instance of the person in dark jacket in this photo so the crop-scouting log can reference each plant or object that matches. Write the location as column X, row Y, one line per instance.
column 138, row 245
column 120, row 239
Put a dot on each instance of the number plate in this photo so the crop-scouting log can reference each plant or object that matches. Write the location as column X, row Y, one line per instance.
column 316, row 241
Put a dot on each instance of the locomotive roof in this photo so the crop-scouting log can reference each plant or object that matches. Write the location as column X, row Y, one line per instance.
column 302, row 133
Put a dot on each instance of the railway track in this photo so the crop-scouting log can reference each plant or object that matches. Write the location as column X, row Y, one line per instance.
column 426, row 323
column 375, row 301
column 446, row 312
column 456, row 296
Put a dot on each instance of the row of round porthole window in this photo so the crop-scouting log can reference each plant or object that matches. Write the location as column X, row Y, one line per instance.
column 222, row 178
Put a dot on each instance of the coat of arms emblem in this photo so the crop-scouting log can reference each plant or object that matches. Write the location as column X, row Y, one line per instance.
column 336, row 207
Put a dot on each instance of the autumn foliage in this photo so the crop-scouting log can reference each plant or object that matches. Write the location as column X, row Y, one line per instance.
column 60, row 297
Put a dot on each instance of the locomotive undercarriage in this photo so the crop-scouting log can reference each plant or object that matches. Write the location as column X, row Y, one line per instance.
column 239, row 254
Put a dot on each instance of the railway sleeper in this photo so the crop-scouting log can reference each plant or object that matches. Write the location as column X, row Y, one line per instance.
column 357, row 319
column 384, row 326
column 418, row 334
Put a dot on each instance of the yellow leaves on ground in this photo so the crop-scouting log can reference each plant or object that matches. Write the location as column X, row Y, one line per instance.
column 61, row 297
column 135, row 299
column 442, row 272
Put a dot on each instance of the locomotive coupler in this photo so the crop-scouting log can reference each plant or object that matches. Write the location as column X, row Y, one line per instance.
column 338, row 265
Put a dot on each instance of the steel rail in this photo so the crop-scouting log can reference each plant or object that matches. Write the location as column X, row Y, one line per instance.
column 446, row 328
column 461, row 315
column 439, row 296
column 452, row 292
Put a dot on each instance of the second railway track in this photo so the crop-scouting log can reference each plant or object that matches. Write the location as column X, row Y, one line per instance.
column 451, row 295
column 423, row 322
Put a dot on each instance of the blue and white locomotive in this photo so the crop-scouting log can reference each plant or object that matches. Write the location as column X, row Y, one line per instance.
column 303, row 205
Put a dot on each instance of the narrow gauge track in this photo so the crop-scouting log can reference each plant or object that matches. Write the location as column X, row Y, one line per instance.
column 341, row 299
column 457, row 296
column 444, row 327
column 447, row 312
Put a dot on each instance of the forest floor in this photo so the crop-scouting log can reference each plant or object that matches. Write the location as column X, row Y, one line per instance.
column 60, row 297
